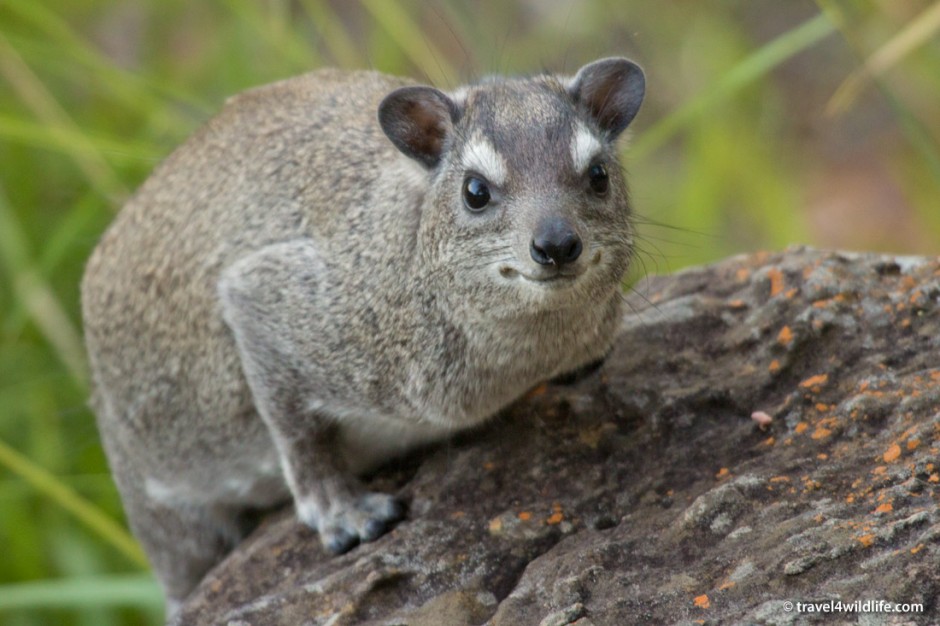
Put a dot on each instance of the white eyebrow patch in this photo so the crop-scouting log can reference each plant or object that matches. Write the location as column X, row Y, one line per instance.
column 480, row 155
column 584, row 147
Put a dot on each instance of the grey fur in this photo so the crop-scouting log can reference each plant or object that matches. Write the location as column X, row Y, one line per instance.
column 290, row 300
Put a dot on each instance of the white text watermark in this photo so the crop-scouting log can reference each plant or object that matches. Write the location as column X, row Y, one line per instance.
column 856, row 606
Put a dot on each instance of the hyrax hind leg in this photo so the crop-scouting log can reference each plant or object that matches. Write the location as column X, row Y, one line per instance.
column 275, row 301
column 183, row 541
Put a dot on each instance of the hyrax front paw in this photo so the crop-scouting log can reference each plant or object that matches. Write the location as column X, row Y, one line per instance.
column 362, row 517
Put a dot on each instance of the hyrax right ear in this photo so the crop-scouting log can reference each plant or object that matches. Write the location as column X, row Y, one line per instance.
column 611, row 91
column 418, row 121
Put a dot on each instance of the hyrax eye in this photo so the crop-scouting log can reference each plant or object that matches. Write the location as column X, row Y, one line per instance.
column 597, row 176
column 476, row 193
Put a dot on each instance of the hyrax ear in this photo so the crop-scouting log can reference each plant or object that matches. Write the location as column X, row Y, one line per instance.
column 418, row 121
column 611, row 91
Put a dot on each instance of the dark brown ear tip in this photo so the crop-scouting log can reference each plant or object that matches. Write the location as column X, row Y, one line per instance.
column 417, row 120
column 611, row 90
column 620, row 68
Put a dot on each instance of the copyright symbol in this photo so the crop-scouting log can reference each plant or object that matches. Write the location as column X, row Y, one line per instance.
column 787, row 606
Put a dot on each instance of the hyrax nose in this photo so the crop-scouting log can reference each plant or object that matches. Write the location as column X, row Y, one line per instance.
column 555, row 243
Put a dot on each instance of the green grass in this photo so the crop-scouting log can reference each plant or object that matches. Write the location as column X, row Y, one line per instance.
column 760, row 116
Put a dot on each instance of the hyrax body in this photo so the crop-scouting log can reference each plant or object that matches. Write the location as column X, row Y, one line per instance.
column 340, row 266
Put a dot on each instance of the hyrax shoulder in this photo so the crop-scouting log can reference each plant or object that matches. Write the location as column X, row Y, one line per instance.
column 339, row 266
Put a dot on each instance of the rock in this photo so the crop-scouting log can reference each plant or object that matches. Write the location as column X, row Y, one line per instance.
column 646, row 492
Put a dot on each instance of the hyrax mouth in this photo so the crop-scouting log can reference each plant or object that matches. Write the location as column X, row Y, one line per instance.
column 550, row 275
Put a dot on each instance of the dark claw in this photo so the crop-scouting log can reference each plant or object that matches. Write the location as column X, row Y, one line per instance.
column 342, row 541
column 374, row 529
column 398, row 511
column 377, row 527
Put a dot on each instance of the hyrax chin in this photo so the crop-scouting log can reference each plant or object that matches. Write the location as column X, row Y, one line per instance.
column 340, row 266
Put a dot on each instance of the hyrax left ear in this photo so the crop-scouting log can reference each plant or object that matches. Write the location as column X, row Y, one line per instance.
column 610, row 91
column 418, row 121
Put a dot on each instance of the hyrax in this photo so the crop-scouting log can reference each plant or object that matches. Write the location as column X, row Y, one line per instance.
column 336, row 268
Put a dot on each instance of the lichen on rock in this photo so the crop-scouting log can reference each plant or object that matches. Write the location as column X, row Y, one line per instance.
column 647, row 493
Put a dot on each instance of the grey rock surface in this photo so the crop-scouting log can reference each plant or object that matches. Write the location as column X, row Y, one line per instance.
column 647, row 493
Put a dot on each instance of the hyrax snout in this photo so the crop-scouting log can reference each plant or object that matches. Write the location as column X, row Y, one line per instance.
column 336, row 268
column 555, row 243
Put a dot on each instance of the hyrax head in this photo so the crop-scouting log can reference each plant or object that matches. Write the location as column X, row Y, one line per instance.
column 526, row 207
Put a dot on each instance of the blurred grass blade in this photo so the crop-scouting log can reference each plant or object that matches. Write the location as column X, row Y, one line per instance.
column 72, row 141
column 63, row 495
column 38, row 297
column 58, row 249
column 86, row 592
column 915, row 131
column 270, row 22
column 413, row 42
column 30, row 90
column 132, row 89
column 336, row 37
column 919, row 31
column 747, row 71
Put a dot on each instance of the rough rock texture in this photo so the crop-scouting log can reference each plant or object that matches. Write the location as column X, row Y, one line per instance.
column 647, row 493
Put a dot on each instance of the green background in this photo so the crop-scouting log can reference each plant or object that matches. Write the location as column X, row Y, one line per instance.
column 767, row 123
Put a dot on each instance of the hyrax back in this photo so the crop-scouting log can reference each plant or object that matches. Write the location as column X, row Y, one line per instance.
column 340, row 266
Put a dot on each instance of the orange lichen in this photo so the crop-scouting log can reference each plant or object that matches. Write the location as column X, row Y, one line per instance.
column 785, row 336
column 913, row 443
column 774, row 366
column 555, row 518
column 743, row 274
column 815, row 381
column 892, row 453
column 811, row 485
column 728, row 584
column 525, row 516
column 934, row 478
column 737, row 304
column 822, row 456
column 776, row 281
column 887, row 507
column 866, row 540
column 821, row 433
column 780, row 479
column 769, row 441
column 800, row 428
column 702, row 601
column 917, row 548
column 723, row 472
